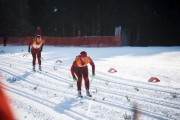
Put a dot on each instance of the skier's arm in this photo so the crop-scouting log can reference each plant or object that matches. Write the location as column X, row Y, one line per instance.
column 72, row 69
column 42, row 46
column 29, row 44
column 93, row 66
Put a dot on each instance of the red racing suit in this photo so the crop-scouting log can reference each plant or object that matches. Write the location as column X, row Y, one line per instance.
column 36, row 49
column 80, row 69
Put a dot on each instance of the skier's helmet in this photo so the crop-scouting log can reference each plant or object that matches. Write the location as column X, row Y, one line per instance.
column 83, row 54
column 38, row 36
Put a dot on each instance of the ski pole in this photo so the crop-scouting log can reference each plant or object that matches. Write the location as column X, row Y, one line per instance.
column 69, row 86
column 92, row 79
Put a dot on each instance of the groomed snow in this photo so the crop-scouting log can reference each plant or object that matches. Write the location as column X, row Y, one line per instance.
column 116, row 96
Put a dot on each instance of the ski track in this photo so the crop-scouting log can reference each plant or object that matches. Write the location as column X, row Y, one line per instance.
column 54, row 86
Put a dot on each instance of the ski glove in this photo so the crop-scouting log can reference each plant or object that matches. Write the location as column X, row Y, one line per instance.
column 74, row 79
column 29, row 50
column 93, row 74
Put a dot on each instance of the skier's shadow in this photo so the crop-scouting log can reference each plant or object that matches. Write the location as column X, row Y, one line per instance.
column 67, row 105
column 72, row 102
column 18, row 78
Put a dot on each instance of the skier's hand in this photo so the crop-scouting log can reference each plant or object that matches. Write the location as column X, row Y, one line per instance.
column 93, row 74
column 29, row 50
column 74, row 79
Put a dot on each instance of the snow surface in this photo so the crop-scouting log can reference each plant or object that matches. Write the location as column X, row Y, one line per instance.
column 125, row 94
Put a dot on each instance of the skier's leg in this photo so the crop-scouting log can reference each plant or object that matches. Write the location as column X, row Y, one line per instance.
column 78, row 73
column 85, row 76
column 79, row 83
column 39, row 59
column 86, row 79
column 86, row 83
column 87, row 86
column 34, row 59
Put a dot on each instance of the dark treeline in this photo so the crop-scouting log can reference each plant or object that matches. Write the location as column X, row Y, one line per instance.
column 149, row 22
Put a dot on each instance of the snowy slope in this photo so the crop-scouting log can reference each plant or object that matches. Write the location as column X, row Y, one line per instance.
column 46, row 95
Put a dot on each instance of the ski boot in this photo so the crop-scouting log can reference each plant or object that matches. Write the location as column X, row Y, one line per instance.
column 34, row 68
column 88, row 93
column 40, row 68
column 79, row 94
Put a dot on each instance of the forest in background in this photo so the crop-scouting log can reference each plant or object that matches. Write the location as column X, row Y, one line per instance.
column 149, row 22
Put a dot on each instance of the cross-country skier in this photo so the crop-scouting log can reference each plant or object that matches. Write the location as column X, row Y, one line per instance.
column 39, row 32
column 80, row 69
column 36, row 49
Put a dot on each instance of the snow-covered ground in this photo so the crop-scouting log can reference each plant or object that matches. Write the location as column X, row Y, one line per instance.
column 116, row 96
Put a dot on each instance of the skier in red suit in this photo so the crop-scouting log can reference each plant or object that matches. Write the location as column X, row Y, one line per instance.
column 79, row 68
column 36, row 49
column 39, row 32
